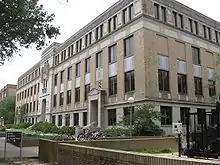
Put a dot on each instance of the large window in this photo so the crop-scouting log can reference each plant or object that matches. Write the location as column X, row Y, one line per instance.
column 87, row 90
column 201, row 115
column 182, row 84
column 61, row 76
column 183, row 114
column 54, row 120
column 163, row 77
column 128, row 46
column 54, row 100
column 69, row 74
column 76, row 119
column 78, row 69
column 156, row 11
column 198, row 86
column 127, row 111
column 87, row 65
column 67, row 119
column 77, row 94
column 60, row 120
column 61, row 98
column 212, row 88
column 163, row 14
column 111, row 117
column 84, row 118
column 112, row 54
column 196, row 56
column 68, row 100
column 99, row 59
column 166, row 115
column 113, row 85
column 129, row 81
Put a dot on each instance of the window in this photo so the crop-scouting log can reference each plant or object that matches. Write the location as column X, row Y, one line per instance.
column 86, row 40
column 209, row 33
column 99, row 59
column 113, row 85
column 213, row 116
column 80, row 44
column 76, row 119
column 97, row 33
column 30, row 107
column 128, row 47
column 204, row 31
column 69, row 74
column 54, row 120
column 34, row 104
column 201, row 116
column 198, row 86
column 111, row 117
column 212, row 88
column 131, row 12
column 68, row 100
column 164, row 14
column 191, row 25
column 125, row 16
column 90, row 38
column 87, row 90
column 38, row 87
column 31, row 91
column 175, row 18
column 69, row 53
column 109, row 25
column 77, row 46
column 182, row 83
column 183, row 114
column 166, row 115
column 84, row 118
column 101, row 30
column 127, row 111
column 196, row 56
column 35, row 89
column 196, row 27
column 54, row 100
column 61, row 98
column 67, row 119
column 156, row 11
column 112, row 54
column 129, row 81
column 217, row 36
column 61, row 76
column 115, row 18
column 163, row 77
column 180, row 17
column 77, row 94
column 87, row 65
column 78, row 69
column 60, row 120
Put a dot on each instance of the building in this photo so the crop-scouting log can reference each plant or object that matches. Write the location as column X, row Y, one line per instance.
column 155, row 51
column 8, row 90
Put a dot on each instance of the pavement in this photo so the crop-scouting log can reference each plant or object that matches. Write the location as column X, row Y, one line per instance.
column 13, row 151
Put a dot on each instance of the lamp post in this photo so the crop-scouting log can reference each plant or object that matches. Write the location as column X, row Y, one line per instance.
column 131, row 101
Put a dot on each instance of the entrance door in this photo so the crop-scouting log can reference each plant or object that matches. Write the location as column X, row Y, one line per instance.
column 94, row 111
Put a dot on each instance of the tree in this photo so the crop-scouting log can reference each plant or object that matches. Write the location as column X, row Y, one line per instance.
column 21, row 113
column 144, row 118
column 7, row 109
column 22, row 24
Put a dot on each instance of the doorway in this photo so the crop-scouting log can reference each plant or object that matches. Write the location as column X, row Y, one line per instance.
column 94, row 111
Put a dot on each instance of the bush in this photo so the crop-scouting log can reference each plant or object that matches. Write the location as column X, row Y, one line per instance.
column 116, row 131
column 67, row 130
column 45, row 128
column 20, row 125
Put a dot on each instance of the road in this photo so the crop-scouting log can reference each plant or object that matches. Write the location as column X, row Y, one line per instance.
column 13, row 151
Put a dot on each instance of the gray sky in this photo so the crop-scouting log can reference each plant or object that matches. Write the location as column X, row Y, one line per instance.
column 71, row 17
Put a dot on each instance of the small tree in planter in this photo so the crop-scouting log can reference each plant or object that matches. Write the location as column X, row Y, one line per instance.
column 144, row 118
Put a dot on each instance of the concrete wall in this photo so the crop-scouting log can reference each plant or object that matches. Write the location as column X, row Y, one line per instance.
column 48, row 148
column 75, row 154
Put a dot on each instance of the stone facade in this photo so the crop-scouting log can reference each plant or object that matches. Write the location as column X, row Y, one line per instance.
column 8, row 90
column 122, row 53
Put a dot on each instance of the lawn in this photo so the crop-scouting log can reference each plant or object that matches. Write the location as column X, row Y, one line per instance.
column 157, row 151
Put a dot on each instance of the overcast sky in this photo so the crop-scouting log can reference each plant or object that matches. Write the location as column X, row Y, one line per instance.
column 71, row 17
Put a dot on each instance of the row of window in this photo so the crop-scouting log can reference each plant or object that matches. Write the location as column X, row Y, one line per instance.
column 28, row 92
column 127, row 15
column 179, row 23
column 29, row 107
column 112, row 54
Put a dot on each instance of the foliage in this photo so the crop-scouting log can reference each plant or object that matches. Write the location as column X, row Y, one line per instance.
column 157, row 151
column 22, row 24
column 67, row 130
column 2, row 128
column 21, row 113
column 20, row 125
column 144, row 118
column 45, row 127
column 116, row 131
column 7, row 109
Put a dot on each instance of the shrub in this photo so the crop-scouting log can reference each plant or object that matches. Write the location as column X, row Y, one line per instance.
column 20, row 125
column 45, row 128
column 67, row 130
column 116, row 131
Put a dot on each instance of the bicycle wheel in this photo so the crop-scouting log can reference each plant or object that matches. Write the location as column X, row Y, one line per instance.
column 81, row 137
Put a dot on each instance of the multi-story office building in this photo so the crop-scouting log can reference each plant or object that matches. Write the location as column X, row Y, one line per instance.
column 155, row 51
column 8, row 90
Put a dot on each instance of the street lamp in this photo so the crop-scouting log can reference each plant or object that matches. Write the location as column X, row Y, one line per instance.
column 130, row 101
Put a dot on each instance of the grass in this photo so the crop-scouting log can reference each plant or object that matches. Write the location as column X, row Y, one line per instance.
column 157, row 151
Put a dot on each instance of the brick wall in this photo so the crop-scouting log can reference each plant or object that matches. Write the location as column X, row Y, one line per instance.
column 70, row 154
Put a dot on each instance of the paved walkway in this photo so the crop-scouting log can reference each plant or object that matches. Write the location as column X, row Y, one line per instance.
column 13, row 151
